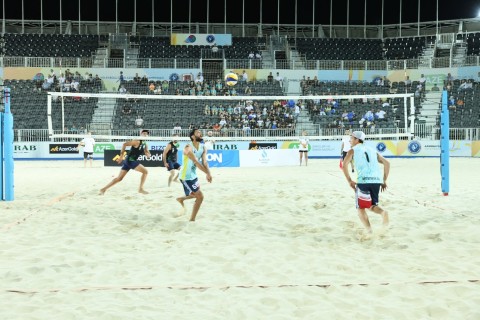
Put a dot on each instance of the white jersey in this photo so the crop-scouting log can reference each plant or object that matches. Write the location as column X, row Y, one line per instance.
column 303, row 146
column 88, row 143
column 346, row 144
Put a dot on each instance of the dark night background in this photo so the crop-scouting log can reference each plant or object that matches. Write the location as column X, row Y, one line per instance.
column 448, row 10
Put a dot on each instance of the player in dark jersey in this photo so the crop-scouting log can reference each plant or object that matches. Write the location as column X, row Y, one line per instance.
column 130, row 161
column 170, row 159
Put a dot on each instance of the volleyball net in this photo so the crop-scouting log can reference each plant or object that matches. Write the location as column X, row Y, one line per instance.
column 113, row 116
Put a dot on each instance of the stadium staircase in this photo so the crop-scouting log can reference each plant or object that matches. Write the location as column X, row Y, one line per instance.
column 103, row 116
column 430, row 108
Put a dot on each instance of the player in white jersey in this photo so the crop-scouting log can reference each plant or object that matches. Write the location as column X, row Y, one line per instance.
column 369, row 177
column 303, row 147
column 88, row 143
column 194, row 156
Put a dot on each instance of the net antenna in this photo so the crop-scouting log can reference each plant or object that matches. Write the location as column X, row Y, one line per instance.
column 404, row 130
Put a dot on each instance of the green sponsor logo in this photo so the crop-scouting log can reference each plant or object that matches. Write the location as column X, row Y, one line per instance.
column 296, row 145
column 101, row 147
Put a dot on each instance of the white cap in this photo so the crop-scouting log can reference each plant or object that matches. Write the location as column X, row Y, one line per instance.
column 359, row 135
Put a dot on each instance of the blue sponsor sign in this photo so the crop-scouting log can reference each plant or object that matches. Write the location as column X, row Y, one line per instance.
column 223, row 158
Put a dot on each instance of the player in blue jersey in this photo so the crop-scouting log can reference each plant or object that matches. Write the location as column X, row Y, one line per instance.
column 370, row 178
column 137, row 148
column 194, row 156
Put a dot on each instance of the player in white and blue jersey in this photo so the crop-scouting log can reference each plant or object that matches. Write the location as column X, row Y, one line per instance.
column 194, row 156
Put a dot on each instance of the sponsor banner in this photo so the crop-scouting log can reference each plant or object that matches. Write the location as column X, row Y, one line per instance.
column 316, row 148
column 262, row 145
column 428, row 148
column 63, row 148
column 200, row 39
column 231, row 145
column 101, row 147
column 475, row 145
column 385, row 148
column 268, row 158
column 26, row 149
column 155, row 160
column 223, row 158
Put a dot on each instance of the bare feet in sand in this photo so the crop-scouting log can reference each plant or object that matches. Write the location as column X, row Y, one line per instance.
column 142, row 191
column 101, row 192
column 182, row 211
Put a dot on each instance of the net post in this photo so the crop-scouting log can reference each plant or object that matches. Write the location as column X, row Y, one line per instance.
column 7, row 165
column 445, row 144
column 412, row 116
column 2, row 160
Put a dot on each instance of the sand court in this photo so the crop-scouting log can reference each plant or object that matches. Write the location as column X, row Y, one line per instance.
column 276, row 243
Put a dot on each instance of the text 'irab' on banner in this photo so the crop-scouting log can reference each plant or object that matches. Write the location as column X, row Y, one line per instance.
column 155, row 160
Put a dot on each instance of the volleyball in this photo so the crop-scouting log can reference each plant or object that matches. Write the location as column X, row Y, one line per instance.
column 231, row 79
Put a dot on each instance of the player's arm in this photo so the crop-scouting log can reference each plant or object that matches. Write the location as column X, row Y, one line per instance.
column 164, row 155
column 205, row 164
column 146, row 150
column 189, row 153
column 386, row 170
column 124, row 147
column 346, row 161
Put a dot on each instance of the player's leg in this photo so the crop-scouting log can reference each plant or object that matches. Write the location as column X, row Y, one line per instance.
column 301, row 156
column 306, row 158
column 140, row 168
column 198, row 202
column 115, row 180
column 362, row 214
column 374, row 189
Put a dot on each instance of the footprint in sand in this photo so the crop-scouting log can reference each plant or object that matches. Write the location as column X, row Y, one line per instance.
column 319, row 205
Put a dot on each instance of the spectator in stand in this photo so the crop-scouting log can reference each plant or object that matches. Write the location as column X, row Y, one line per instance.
column 449, row 77
column 144, row 81
column 408, row 82
column 177, row 129
column 251, row 55
column 380, row 115
column 258, row 55
column 422, row 80
column 165, row 86
column 126, row 109
column 121, row 79
column 244, row 76
column 151, row 88
column 270, row 78
column 122, row 89
column 199, row 79
column 46, row 85
column 279, row 79
column 137, row 78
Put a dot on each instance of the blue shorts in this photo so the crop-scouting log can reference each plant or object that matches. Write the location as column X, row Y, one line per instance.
column 372, row 188
column 173, row 165
column 127, row 165
column 190, row 186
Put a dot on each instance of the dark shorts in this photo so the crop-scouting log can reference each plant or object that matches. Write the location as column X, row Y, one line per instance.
column 372, row 188
column 303, row 151
column 88, row 155
column 190, row 186
column 173, row 165
column 127, row 165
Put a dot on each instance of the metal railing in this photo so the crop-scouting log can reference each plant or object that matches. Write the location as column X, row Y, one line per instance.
column 422, row 132
column 167, row 63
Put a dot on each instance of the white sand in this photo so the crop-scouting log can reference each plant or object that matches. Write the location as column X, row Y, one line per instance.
column 277, row 243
